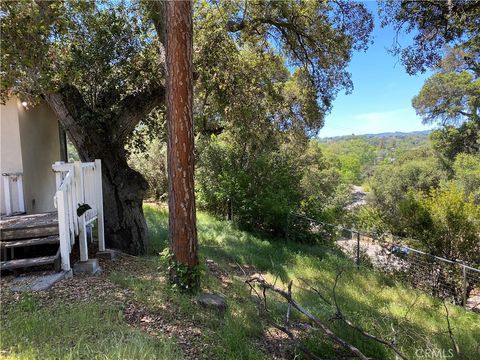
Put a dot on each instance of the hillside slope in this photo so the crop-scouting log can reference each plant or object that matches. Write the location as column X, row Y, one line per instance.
column 131, row 312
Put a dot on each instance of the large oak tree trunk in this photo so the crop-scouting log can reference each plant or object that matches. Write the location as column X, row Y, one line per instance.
column 95, row 137
column 123, row 193
column 181, row 191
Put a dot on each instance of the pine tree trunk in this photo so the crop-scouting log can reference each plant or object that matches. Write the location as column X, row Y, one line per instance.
column 181, row 201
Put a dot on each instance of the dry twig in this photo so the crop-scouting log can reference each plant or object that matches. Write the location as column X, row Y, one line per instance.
column 329, row 333
column 450, row 332
column 339, row 316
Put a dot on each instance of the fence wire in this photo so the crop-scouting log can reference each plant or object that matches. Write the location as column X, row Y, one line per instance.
column 443, row 278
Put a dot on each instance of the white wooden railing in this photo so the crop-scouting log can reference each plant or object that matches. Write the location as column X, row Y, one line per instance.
column 8, row 180
column 78, row 184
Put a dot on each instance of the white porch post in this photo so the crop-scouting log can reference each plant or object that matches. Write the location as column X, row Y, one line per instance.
column 21, row 200
column 99, row 198
column 58, row 174
column 63, row 230
column 8, row 196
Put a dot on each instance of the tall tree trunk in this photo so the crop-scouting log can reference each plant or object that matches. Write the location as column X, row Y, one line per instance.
column 181, row 191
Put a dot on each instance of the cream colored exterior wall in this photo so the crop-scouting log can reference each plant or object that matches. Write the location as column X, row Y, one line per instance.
column 40, row 149
column 10, row 149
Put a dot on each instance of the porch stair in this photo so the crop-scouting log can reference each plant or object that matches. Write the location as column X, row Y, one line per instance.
column 30, row 262
column 52, row 239
column 36, row 232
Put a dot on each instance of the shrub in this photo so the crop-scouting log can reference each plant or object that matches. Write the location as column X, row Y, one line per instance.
column 455, row 224
column 152, row 164
column 259, row 193
column 467, row 174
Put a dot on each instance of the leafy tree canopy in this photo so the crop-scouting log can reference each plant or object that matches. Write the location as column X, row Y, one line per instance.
column 434, row 25
column 449, row 98
column 450, row 141
column 106, row 50
column 305, row 45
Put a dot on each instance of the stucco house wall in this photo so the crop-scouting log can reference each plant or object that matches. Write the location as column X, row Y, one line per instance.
column 32, row 151
column 10, row 148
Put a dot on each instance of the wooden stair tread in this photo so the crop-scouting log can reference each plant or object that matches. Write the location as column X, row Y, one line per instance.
column 31, row 242
column 22, row 263
column 28, row 233
column 29, row 221
column 28, row 226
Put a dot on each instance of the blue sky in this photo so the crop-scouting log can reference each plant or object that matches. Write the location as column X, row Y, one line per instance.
column 382, row 94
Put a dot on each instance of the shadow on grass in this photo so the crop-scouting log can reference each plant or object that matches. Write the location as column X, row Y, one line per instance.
column 76, row 331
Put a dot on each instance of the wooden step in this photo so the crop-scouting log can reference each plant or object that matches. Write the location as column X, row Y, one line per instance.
column 24, row 263
column 28, row 226
column 30, row 242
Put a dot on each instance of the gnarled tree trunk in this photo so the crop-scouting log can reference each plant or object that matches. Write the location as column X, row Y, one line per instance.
column 123, row 193
column 103, row 137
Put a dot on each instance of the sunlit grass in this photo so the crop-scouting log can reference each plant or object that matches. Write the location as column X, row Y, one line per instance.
column 378, row 303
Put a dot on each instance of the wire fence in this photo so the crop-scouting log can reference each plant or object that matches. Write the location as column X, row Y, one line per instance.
column 455, row 281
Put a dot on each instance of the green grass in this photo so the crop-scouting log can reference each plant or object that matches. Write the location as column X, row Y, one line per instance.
column 370, row 299
column 75, row 331
column 33, row 329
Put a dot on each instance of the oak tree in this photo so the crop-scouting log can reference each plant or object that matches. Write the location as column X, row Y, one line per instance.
column 451, row 99
column 92, row 62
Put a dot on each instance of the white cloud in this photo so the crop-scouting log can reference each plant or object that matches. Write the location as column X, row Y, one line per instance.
column 380, row 118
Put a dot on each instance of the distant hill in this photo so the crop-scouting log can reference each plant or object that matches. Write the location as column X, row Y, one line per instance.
column 396, row 134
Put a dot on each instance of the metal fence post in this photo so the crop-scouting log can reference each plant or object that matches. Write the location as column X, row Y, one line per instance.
column 358, row 250
column 288, row 227
column 464, row 286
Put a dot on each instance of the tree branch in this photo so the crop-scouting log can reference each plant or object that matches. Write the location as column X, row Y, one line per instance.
column 264, row 285
column 136, row 107
column 339, row 316
column 74, row 115
column 302, row 347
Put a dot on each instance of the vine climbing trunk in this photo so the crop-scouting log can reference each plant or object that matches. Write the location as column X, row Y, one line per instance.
column 179, row 87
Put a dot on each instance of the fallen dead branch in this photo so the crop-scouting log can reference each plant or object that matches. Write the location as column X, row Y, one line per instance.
column 329, row 333
column 339, row 316
column 318, row 324
column 450, row 332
